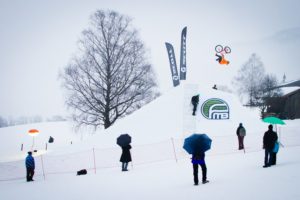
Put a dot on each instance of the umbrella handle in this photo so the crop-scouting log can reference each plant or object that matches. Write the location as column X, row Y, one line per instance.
column 280, row 144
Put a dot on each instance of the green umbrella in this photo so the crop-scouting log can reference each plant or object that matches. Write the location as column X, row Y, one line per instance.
column 273, row 120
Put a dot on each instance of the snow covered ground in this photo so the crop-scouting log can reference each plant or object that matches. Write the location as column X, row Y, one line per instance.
column 160, row 169
column 234, row 177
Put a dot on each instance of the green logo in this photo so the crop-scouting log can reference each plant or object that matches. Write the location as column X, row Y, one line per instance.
column 215, row 109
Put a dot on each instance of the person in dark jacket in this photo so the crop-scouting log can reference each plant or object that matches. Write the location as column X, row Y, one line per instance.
column 241, row 133
column 195, row 102
column 125, row 157
column 199, row 159
column 269, row 139
column 30, row 166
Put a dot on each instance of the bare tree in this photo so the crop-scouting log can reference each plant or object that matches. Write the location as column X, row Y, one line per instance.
column 111, row 76
column 249, row 78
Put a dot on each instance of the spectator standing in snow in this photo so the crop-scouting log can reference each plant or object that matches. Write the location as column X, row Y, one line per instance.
column 125, row 157
column 269, row 139
column 195, row 102
column 199, row 159
column 30, row 166
column 241, row 133
column 274, row 153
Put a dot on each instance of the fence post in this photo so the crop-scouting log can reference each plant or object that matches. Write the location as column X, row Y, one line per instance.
column 94, row 160
column 174, row 149
column 22, row 147
column 43, row 167
column 46, row 146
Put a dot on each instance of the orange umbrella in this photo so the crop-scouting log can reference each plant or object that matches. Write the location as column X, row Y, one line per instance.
column 33, row 132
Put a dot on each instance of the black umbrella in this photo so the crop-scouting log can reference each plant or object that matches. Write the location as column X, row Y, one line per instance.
column 124, row 140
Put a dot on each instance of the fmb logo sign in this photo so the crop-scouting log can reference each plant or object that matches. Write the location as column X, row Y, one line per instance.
column 215, row 109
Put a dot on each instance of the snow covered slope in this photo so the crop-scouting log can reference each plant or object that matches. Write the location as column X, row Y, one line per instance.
column 165, row 118
column 160, row 168
column 12, row 138
column 160, row 120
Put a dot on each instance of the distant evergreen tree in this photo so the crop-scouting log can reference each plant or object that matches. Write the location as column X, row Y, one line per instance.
column 283, row 78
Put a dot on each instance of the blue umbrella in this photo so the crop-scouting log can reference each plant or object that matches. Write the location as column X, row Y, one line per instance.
column 197, row 143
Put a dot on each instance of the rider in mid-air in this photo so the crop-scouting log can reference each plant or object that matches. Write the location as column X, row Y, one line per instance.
column 221, row 59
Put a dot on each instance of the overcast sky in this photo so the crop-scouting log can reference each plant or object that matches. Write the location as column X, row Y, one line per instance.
column 38, row 38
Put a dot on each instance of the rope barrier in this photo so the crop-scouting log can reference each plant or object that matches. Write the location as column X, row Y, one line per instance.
column 108, row 158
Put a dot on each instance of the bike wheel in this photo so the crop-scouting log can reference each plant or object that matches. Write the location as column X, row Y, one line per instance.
column 227, row 49
column 219, row 48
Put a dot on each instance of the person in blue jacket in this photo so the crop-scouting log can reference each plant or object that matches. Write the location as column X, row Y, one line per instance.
column 30, row 166
column 199, row 159
column 274, row 154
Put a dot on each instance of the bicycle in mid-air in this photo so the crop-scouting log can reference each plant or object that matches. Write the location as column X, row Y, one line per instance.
column 222, row 50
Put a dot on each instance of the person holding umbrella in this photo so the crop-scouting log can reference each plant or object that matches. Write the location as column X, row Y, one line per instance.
column 274, row 120
column 198, row 159
column 124, row 141
column 125, row 157
column 197, row 145
column 269, row 139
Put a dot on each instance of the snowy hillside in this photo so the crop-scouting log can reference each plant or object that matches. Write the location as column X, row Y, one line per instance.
column 161, row 169
column 12, row 139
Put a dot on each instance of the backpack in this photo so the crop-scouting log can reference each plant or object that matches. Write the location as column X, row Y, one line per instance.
column 82, row 172
column 242, row 131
